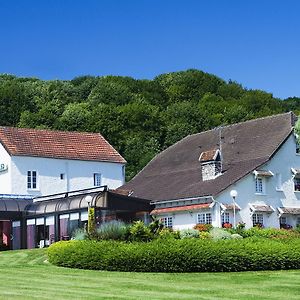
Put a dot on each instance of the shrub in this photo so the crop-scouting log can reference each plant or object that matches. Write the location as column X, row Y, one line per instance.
column 189, row 233
column 113, row 230
column 204, row 235
column 203, row 227
column 140, row 232
column 219, row 234
column 156, row 226
column 79, row 234
column 227, row 225
column 269, row 233
column 188, row 255
column 167, row 233
column 236, row 236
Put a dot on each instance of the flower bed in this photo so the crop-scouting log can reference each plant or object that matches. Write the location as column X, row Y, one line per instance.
column 171, row 255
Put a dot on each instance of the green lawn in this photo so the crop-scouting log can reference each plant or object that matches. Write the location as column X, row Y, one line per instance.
column 25, row 275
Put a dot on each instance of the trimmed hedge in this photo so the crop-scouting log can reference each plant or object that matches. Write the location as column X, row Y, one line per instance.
column 189, row 255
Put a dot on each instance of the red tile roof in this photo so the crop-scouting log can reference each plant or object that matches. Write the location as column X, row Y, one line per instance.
column 180, row 208
column 58, row 144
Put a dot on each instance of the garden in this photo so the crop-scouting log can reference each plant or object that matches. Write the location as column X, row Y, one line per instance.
column 116, row 246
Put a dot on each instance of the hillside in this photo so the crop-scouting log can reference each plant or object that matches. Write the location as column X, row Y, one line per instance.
column 138, row 117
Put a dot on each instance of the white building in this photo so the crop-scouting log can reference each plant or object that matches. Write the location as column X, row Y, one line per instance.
column 42, row 162
column 190, row 182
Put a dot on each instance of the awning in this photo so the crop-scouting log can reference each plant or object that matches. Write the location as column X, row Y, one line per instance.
column 261, row 208
column 225, row 206
column 181, row 208
column 263, row 173
column 295, row 171
column 289, row 210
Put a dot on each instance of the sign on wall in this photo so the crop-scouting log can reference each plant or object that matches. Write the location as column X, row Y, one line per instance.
column 3, row 167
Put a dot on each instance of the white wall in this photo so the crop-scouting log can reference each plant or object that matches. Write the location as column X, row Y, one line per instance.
column 5, row 176
column 282, row 162
column 78, row 175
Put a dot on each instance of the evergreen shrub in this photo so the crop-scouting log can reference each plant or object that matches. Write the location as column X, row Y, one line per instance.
column 172, row 255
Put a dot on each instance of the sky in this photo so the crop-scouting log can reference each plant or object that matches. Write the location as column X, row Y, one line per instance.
column 253, row 42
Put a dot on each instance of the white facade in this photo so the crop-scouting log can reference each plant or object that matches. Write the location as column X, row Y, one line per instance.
column 277, row 191
column 55, row 175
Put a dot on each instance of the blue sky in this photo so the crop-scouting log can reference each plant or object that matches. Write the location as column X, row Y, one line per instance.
column 256, row 43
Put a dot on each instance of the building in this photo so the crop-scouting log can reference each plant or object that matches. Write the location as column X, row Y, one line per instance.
column 190, row 182
column 75, row 169
column 42, row 162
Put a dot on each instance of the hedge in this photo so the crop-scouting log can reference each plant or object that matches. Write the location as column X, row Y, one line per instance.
column 189, row 255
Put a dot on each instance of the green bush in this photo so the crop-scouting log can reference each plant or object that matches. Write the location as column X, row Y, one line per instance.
column 113, row 230
column 188, row 255
column 189, row 233
column 167, row 233
column 140, row 232
column 219, row 234
column 79, row 234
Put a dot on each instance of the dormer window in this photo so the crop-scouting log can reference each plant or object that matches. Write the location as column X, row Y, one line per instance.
column 211, row 165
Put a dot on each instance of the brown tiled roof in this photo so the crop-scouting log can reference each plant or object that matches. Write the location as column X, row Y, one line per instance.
column 290, row 210
column 180, row 208
column 263, row 173
column 262, row 208
column 207, row 155
column 231, row 206
column 175, row 173
column 58, row 144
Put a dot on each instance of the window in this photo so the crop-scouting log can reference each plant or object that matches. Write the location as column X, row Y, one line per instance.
column 258, row 219
column 298, row 221
column 259, row 185
column 278, row 181
column 97, row 179
column 167, row 222
column 204, row 218
column 297, row 184
column 31, row 180
column 282, row 221
column 225, row 218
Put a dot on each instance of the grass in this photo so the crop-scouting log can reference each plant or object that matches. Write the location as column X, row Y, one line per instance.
column 25, row 275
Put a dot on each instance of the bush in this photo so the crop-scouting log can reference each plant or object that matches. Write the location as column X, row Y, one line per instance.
column 188, row 255
column 113, row 230
column 203, row 227
column 219, row 234
column 79, row 234
column 269, row 233
column 140, row 232
column 167, row 233
column 189, row 233
column 236, row 236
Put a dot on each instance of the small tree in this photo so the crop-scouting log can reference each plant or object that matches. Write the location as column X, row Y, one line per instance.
column 91, row 222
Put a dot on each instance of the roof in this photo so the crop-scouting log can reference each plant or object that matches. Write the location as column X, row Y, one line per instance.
column 263, row 173
column 180, row 208
column 289, row 210
column 58, row 144
column 208, row 155
column 175, row 173
column 262, row 208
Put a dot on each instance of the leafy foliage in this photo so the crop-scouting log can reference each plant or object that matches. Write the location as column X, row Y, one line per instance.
column 172, row 255
column 138, row 117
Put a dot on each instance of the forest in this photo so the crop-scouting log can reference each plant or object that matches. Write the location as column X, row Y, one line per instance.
column 138, row 117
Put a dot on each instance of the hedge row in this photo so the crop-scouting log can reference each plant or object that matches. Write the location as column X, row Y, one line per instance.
column 191, row 255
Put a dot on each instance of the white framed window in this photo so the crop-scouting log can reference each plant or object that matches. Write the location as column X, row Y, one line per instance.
column 278, row 182
column 97, row 179
column 298, row 221
column 297, row 184
column 225, row 217
column 32, row 180
column 258, row 219
column 167, row 222
column 283, row 221
column 204, row 218
column 259, row 185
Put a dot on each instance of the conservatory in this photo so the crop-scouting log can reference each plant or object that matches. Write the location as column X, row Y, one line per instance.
column 37, row 222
